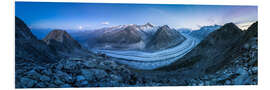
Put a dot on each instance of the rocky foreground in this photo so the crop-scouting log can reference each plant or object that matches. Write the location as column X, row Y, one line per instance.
column 75, row 72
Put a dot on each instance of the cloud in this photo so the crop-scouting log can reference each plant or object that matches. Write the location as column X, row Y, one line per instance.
column 105, row 23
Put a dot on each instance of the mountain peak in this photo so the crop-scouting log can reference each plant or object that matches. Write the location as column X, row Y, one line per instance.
column 165, row 27
column 165, row 37
column 58, row 35
column 61, row 40
column 149, row 24
column 230, row 27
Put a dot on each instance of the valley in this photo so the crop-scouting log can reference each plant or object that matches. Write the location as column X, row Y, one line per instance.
column 151, row 60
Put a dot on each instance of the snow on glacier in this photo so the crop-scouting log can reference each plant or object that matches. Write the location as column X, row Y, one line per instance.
column 152, row 60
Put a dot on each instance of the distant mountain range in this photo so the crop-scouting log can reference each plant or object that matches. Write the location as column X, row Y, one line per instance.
column 130, row 36
column 204, row 31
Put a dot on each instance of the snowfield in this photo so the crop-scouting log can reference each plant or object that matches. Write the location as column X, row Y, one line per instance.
column 152, row 60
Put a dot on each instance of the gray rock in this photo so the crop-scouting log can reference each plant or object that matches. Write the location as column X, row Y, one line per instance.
column 52, row 86
column 84, row 82
column 100, row 74
column 64, row 76
column 65, row 86
column 44, row 78
column 80, row 78
column 47, row 72
column 33, row 74
column 58, row 82
column 88, row 74
column 228, row 82
column 41, row 85
column 27, row 83
column 89, row 64
column 116, row 78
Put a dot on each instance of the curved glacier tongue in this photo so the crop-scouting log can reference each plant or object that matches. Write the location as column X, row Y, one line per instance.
column 148, row 61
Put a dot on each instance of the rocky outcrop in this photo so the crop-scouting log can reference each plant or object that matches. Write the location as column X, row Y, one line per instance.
column 165, row 37
column 61, row 41
column 28, row 48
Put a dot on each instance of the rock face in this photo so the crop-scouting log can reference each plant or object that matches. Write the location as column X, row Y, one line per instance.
column 165, row 38
column 60, row 40
column 28, row 48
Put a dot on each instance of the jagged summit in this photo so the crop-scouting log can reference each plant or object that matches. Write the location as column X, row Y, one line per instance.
column 126, row 36
column 60, row 40
column 149, row 24
column 230, row 27
column 165, row 27
column 165, row 37
column 58, row 35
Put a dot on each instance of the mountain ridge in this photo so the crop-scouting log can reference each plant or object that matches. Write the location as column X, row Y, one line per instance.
column 217, row 48
column 28, row 48
column 60, row 40
column 165, row 37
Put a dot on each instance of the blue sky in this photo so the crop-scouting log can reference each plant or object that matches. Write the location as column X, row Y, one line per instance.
column 87, row 16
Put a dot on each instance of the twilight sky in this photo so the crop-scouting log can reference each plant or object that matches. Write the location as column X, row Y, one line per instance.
column 87, row 16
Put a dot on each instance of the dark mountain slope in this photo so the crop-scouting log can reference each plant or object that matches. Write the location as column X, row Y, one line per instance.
column 28, row 48
column 218, row 47
column 165, row 38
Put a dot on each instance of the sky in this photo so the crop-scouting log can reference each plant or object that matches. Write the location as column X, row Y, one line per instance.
column 90, row 16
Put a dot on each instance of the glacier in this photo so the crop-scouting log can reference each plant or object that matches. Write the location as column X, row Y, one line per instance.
column 144, row 60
